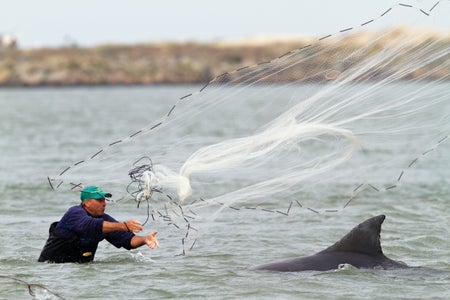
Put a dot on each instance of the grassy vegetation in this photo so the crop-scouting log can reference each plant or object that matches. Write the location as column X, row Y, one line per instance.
column 161, row 62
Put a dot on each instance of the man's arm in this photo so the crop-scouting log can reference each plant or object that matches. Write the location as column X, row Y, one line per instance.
column 132, row 225
column 135, row 226
column 150, row 240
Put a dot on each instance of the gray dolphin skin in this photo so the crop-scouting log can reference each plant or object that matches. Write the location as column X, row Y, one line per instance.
column 360, row 248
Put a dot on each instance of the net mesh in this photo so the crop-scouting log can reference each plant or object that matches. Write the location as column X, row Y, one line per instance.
column 285, row 129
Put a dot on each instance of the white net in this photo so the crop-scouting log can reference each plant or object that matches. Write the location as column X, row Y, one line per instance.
column 285, row 129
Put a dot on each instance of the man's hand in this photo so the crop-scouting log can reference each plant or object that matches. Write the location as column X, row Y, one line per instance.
column 151, row 240
column 133, row 225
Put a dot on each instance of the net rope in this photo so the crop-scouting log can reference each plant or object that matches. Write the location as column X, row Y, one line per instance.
column 37, row 291
column 321, row 122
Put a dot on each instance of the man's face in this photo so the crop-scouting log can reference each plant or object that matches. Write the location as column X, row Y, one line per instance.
column 95, row 207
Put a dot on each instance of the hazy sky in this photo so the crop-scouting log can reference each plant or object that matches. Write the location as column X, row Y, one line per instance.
column 92, row 22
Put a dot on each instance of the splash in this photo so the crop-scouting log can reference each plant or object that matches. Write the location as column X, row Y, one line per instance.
column 287, row 128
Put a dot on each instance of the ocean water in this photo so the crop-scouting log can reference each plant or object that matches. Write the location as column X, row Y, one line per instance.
column 44, row 129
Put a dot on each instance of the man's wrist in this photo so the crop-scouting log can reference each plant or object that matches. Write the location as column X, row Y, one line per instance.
column 126, row 227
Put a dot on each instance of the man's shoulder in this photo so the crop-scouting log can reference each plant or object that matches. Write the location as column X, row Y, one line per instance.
column 109, row 218
column 75, row 210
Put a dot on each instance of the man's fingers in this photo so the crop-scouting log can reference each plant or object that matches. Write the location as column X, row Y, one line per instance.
column 134, row 225
column 153, row 238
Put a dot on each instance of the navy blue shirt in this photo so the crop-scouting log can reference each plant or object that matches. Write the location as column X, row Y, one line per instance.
column 76, row 236
column 77, row 221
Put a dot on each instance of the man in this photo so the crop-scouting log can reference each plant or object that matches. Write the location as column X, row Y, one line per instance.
column 76, row 236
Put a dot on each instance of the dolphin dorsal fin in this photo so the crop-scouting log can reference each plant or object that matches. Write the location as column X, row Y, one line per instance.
column 364, row 238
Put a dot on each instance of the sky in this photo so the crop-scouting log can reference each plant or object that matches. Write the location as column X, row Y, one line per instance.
column 55, row 23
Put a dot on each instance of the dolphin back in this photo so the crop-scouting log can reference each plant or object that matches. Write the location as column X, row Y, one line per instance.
column 364, row 238
column 360, row 248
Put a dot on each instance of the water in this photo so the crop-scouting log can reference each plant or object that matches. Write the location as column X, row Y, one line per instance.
column 44, row 130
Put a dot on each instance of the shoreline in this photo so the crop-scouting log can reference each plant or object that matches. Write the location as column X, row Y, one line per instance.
column 186, row 62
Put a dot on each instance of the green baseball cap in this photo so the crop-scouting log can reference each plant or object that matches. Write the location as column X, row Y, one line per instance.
column 93, row 192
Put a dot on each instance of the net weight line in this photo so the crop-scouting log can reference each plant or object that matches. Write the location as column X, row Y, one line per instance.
column 55, row 183
column 32, row 286
column 142, row 187
column 360, row 188
column 178, row 210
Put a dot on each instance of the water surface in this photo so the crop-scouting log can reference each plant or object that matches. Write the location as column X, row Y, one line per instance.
column 43, row 130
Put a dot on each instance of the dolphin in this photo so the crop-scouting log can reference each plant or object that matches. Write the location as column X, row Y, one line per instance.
column 360, row 248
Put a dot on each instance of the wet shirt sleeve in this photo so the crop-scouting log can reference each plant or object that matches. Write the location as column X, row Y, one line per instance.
column 118, row 238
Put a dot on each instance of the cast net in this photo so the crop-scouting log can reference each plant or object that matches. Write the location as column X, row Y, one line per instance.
column 279, row 133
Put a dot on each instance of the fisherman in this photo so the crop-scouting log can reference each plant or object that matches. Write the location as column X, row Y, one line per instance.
column 76, row 236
